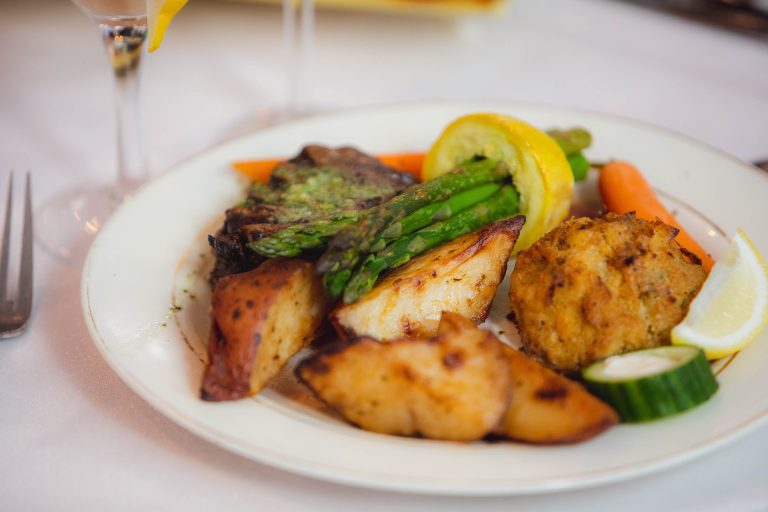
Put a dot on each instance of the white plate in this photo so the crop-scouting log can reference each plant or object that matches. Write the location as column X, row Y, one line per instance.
column 145, row 301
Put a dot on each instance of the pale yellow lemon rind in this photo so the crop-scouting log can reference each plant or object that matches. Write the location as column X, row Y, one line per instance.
column 159, row 18
column 715, row 348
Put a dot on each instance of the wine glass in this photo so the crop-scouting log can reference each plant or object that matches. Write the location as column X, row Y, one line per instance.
column 67, row 223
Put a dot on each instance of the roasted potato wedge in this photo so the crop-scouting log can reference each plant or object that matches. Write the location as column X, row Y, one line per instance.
column 452, row 387
column 549, row 408
column 260, row 319
column 460, row 276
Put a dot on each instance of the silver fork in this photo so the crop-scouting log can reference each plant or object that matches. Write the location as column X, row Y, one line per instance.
column 14, row 311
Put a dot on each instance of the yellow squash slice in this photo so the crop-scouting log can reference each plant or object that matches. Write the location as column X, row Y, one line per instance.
column 538, row 166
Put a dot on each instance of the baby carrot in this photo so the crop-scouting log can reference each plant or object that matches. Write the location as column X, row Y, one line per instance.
column 405, row 162
column 259, row 170
column 624, row 190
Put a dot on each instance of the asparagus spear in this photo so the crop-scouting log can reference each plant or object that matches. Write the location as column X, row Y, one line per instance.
column 434, row 212
column 293, row 240
column 503, row 204
column 579, row 166
column 571, row 141
column 345, row 248
column 335, row 282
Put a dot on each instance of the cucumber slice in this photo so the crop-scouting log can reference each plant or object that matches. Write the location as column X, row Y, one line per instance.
column 652, row 383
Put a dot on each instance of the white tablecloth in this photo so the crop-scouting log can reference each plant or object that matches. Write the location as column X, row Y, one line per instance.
column 75, row 437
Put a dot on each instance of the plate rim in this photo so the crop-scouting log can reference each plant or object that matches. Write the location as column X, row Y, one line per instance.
column 479, row 488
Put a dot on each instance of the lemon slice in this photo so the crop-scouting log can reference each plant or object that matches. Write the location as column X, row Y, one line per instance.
column 159, row 16
column 732, row 306
column 539, row 169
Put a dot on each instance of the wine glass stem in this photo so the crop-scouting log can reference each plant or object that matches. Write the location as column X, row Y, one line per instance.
column 125, row 45
column 298, row 39
column 306, row 43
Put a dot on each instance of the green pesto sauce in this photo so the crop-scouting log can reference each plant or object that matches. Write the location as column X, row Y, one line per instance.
column 314, row 192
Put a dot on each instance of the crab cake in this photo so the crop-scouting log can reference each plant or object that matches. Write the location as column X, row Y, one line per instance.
column 592, row 288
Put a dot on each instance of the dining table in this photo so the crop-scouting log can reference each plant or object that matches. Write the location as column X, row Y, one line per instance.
column 74, row 436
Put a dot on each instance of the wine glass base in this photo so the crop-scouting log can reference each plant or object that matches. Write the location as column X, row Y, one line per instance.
column 66, row 225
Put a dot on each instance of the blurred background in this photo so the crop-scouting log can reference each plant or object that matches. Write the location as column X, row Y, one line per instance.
column 221, row 72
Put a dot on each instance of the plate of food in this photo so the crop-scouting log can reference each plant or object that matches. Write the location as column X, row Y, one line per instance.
column 445, row 298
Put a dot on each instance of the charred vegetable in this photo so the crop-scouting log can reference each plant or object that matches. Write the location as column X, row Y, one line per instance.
column 460, row 276
column 501, row 205
column 320, row 184
column 454, row 386
column 347, row 247
column 294, row 240
column 549, row 408
column 260, row 319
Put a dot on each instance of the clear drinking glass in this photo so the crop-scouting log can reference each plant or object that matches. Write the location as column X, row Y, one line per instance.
column 67, row 223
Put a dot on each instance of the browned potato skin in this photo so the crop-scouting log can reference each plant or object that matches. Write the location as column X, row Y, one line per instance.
column 452, row 387
column 547, row 408
column 460, row 276
column 592, row 288
column 260, row 319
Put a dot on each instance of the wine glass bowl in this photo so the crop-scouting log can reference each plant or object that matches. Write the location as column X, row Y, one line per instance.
column 67, row 223
column 112, row 10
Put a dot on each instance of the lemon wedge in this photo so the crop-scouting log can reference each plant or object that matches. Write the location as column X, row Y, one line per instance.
column 539, row 169
column 159, row 16
column 732, row 306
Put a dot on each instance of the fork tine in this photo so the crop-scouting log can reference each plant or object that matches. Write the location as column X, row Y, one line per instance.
column 24, row 295
column 6, row 241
